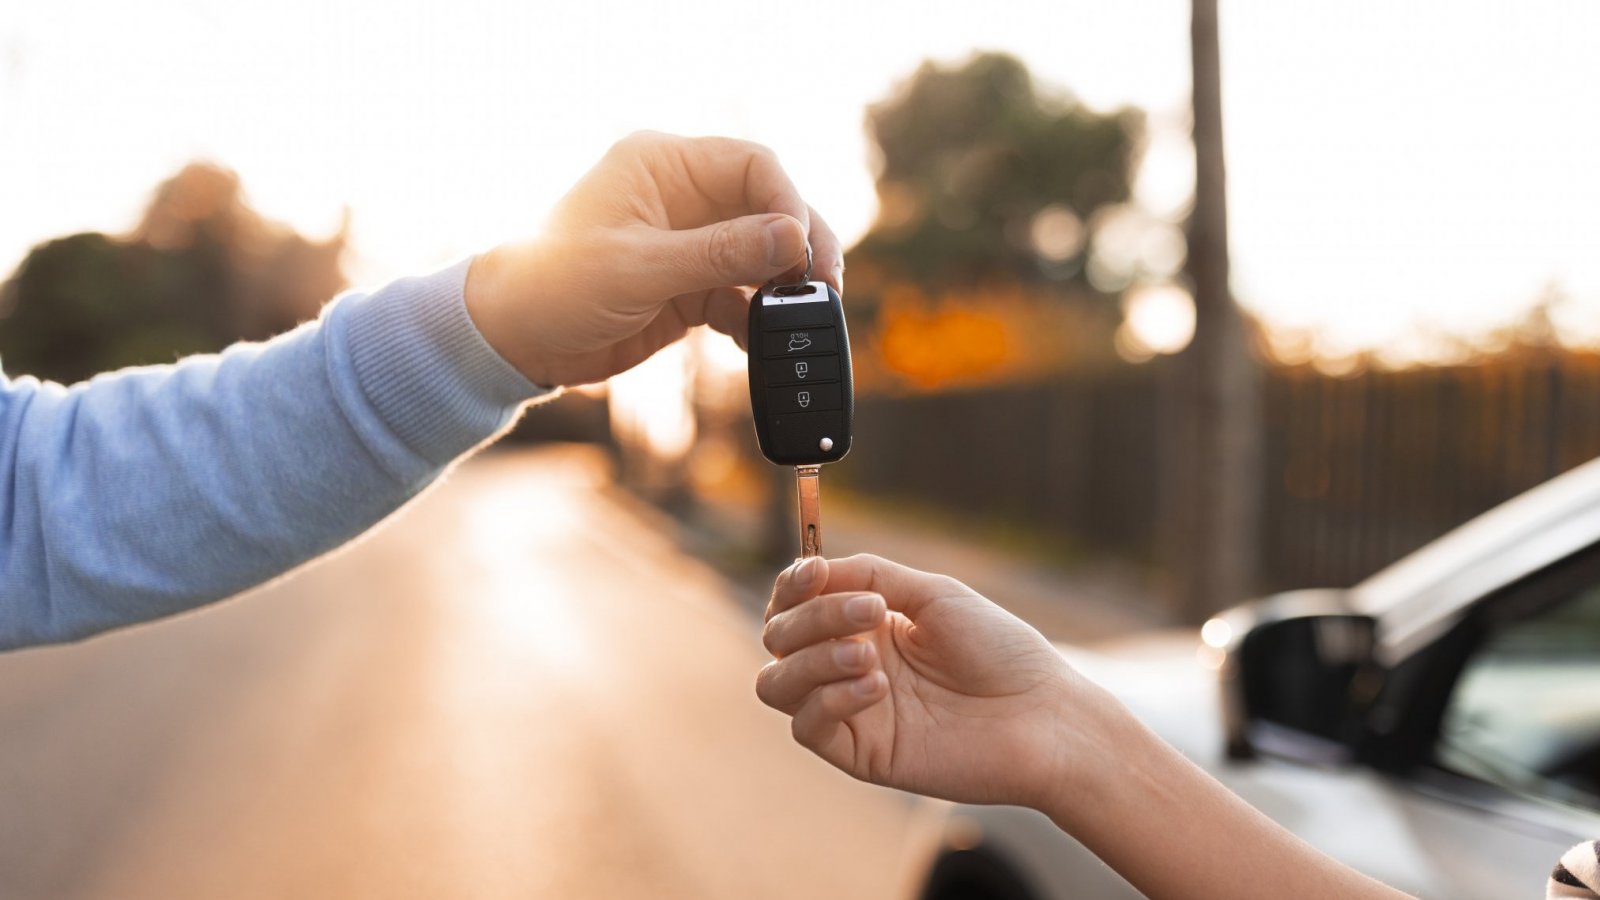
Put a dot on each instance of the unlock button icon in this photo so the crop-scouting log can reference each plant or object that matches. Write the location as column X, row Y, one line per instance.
column 802, row 369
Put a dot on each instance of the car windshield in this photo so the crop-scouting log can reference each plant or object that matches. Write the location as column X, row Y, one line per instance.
column 1526, row 712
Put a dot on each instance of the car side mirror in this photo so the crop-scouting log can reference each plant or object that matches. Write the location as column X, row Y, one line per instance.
column 1293, row 674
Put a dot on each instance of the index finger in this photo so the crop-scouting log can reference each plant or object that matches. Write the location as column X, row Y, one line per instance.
column 797, row 584
column 744, row 178
column 741, row 178
column 827, row 262
column 904, row 588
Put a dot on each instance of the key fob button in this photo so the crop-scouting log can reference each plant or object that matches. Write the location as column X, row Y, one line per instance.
column 805, row 398
column 794, row 342
column 798, row 438
column 805, row 370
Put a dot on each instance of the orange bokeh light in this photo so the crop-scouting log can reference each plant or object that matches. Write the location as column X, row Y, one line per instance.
column 934, row 345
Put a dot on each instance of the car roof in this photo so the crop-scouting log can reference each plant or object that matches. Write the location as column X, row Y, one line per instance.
column 1420, row 596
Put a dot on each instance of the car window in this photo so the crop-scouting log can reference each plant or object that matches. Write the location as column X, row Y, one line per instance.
column 1526, row 712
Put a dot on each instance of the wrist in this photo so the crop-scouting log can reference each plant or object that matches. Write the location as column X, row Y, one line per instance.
column 487, row 294
column 424, row 370
column 1099, row 743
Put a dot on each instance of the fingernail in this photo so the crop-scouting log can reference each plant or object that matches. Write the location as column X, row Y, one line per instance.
column 838, row 278
column 778, row 232
column 865, row 685
column 805, row 574
column 862, row 609
column 850, row 654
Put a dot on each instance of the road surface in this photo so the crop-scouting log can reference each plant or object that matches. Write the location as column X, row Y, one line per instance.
column 518, row 687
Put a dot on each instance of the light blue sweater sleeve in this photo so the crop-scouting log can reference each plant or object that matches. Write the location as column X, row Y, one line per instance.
column 150, row 491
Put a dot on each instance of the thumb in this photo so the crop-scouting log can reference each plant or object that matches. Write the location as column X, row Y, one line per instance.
column 746, row 250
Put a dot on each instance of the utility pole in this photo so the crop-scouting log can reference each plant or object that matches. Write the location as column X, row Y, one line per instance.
column 1219, row 456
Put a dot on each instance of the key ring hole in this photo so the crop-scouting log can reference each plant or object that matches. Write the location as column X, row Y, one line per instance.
column 794, row 290
column 805, row 277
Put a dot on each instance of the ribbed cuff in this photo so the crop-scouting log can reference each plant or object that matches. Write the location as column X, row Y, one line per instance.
column 425, row 368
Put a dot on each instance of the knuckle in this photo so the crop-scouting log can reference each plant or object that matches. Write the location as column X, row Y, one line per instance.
column 636, row 144
column 728, row 146
column 760, row 152
column 644, row 137
column 724, row 248
column 877, row 569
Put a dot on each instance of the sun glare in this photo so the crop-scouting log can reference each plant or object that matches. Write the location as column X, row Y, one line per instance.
column 1157, row 319
column 1362, row 198
column 651, row 403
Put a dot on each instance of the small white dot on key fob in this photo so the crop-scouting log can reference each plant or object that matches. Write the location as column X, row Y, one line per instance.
column 825, row 444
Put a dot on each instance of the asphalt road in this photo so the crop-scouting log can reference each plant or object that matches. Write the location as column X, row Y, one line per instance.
column 518, row 687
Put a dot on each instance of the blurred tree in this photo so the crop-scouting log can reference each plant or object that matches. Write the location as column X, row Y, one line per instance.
column 984, row 177
column 200, row 271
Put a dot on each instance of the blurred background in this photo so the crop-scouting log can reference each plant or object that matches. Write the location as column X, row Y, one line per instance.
column 1139, row 333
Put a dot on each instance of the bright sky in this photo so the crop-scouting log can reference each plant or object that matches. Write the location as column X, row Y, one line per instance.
column 1394, row 167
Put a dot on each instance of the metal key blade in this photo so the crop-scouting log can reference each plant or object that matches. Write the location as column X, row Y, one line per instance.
column 808, row 481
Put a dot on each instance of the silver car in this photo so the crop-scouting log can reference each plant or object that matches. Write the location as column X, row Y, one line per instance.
column 1436, row 726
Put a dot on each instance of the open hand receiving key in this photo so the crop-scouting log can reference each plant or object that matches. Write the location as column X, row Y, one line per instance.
column 914, row 681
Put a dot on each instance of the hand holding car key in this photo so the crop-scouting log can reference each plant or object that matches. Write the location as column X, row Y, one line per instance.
column 801, row 390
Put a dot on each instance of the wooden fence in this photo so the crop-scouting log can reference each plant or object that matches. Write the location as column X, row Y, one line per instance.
column 1358, row 471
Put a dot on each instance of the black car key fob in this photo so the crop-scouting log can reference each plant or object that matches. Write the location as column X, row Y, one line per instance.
column 801, row 390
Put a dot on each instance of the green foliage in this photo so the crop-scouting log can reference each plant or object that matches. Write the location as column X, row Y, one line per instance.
column 201, row 271
column 85, row 304
column 969, row 156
